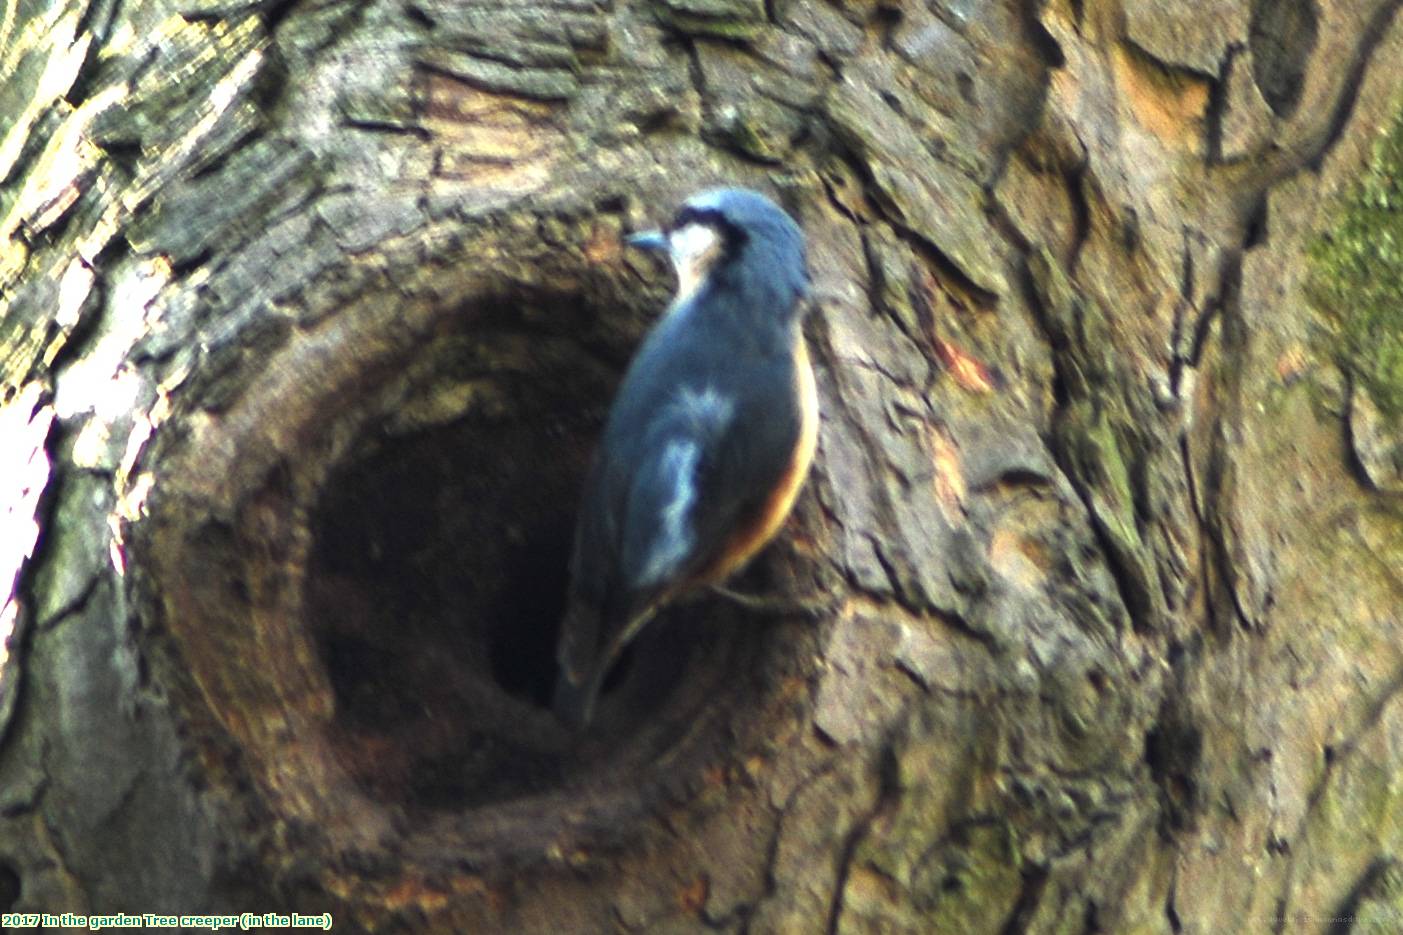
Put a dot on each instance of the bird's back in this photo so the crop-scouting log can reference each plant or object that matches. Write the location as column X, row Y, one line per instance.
column 708, row 439
column 706, row 416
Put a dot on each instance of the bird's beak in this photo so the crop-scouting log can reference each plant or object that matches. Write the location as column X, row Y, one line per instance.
column 648, row 240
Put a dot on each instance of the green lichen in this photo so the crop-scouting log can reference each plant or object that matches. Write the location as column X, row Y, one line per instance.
column 760, row 129
column 1356, row 277
column 735, row 30
column 735, row 20
column 541, row 84
column 967, row 888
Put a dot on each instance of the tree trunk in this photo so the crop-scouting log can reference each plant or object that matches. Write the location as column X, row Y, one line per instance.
column 311, row 314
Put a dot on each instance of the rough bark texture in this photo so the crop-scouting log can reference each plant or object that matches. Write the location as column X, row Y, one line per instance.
column 310, row 315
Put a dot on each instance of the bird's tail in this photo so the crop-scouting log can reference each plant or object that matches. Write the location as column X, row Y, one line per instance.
column 577, row 655
column 574, row 700
column 585, row 658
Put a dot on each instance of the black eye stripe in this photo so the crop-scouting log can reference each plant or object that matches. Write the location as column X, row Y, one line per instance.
column 690, row 215
column 731, row 235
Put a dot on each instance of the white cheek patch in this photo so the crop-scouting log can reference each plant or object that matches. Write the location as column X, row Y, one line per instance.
column 691, row 240
column 693, row 247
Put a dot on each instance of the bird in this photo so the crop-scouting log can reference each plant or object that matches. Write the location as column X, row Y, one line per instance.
column 708, row 440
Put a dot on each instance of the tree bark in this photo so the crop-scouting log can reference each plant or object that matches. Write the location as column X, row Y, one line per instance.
column 311, row 314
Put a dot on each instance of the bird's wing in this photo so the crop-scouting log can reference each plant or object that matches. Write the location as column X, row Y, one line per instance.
column 717, row 457
column 593, row 565
column 683, row 461
column 659, row 506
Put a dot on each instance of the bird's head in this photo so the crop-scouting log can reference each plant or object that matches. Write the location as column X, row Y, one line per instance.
column 735, row 233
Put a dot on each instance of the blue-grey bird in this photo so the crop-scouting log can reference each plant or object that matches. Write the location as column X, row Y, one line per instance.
column 709, row 438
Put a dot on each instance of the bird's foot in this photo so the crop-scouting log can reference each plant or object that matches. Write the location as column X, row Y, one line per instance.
column 812, row 606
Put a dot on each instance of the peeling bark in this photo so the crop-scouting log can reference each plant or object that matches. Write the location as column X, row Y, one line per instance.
column 309, row 316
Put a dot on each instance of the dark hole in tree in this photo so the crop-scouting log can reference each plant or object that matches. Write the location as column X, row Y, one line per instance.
column 436, row 581
column 9, row 887
column 437, row 576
